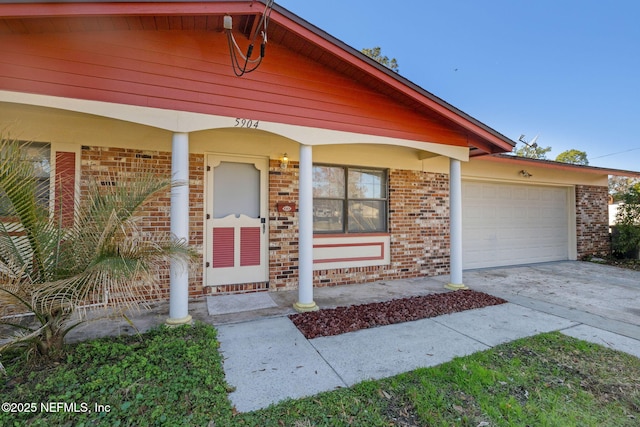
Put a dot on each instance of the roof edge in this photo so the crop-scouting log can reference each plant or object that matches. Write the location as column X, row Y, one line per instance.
column 552, row 164
column 445, row 109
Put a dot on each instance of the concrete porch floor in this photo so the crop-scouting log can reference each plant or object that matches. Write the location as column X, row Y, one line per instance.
column 593, row 294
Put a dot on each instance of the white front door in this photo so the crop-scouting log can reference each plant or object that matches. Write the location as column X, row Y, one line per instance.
column 237, row 220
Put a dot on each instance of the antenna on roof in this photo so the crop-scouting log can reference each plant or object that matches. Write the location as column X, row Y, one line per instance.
column 532, row 143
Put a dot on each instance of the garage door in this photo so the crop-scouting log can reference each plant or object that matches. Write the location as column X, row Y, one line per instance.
column 510, row 224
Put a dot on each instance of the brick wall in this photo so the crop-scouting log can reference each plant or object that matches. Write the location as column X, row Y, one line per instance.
column 418, row 221
column 592, row 221
column 418, row 224
column 115, row 166
column 283, row 227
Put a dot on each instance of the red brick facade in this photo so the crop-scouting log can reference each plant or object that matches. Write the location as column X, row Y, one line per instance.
column 418, row 224
column 418, row 221
column 592, row 221
column 113, row 166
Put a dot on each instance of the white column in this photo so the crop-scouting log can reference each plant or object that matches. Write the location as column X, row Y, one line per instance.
column 179, row 275
column 305, row 232
column 455, row 215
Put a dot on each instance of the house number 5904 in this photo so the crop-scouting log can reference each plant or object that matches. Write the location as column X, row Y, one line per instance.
column 247, row 123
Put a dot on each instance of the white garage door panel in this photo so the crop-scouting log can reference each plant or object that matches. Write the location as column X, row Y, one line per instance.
column 509, row 224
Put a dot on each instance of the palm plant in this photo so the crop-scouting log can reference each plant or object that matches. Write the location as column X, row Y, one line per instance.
column 51, row 268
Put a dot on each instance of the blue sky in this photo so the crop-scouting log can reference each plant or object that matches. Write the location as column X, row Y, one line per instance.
column 568, row 70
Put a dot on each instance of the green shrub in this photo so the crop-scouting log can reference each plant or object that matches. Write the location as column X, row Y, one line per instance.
column 627, row 231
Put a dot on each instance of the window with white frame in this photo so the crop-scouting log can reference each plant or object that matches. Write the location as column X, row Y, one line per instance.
column 349, row 199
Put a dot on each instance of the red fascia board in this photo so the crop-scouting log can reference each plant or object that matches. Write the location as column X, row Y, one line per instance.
column 49, row 10
column 348, row 54
column 284, row 17
column 549, row 164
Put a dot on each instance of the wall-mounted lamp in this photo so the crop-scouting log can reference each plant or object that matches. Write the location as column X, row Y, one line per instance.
column 284, row 162
column 523, row 173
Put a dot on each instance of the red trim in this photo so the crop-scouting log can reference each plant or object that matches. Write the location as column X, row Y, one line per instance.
column 43, row 10
column 343, row 245
column 400, row 84
column 352, row 236
column 65, row 185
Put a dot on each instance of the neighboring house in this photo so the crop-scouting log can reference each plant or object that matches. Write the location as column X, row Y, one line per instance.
column 320, row 168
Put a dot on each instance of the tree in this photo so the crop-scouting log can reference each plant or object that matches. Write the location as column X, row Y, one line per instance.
column 376, row 54
column 574, row 157
column 533, row 151
column 619, row 185
column 51, row 268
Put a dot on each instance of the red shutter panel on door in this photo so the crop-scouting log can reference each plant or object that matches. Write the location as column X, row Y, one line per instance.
column 65, row 186
column 223, row 244
column 249, row 246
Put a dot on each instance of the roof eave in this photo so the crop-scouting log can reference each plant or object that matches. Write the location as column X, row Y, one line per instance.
column 494, row 142
column 400, row 83
column 551, row 164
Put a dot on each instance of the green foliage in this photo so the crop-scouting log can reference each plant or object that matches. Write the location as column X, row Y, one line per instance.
column 376, row 54
column 49, row 268
column 619, row 185
column 170, row 377
column 627, row 230
column 574, row 157
column 533, row 151
column 174, row 377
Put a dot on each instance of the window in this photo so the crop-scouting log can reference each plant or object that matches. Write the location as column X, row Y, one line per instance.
column 39, row 154
column 349, row 200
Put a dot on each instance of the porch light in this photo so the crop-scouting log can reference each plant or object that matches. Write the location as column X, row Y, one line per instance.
column 523, row 173
column 284, row 162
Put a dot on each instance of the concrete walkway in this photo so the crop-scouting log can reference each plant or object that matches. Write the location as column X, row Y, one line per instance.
column 268, row 360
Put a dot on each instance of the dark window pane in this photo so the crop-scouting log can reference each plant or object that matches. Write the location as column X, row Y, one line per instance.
column 367, row 184
column 328, row 182
column 327, row 215
column 367, row 216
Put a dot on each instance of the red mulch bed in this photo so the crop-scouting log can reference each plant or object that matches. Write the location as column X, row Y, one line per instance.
column 339, row 320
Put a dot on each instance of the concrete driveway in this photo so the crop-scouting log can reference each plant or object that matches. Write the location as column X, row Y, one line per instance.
column 593, row 294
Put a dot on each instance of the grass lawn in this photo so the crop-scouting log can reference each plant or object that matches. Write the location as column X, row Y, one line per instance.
column 174, row 377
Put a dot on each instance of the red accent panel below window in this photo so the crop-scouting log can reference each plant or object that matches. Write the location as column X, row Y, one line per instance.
column 65, row 186
column 223, row 244
column 249, row 246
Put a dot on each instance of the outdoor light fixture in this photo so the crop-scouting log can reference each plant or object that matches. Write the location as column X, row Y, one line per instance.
column 284, row 162
column 523, row 173
column 242, row 62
